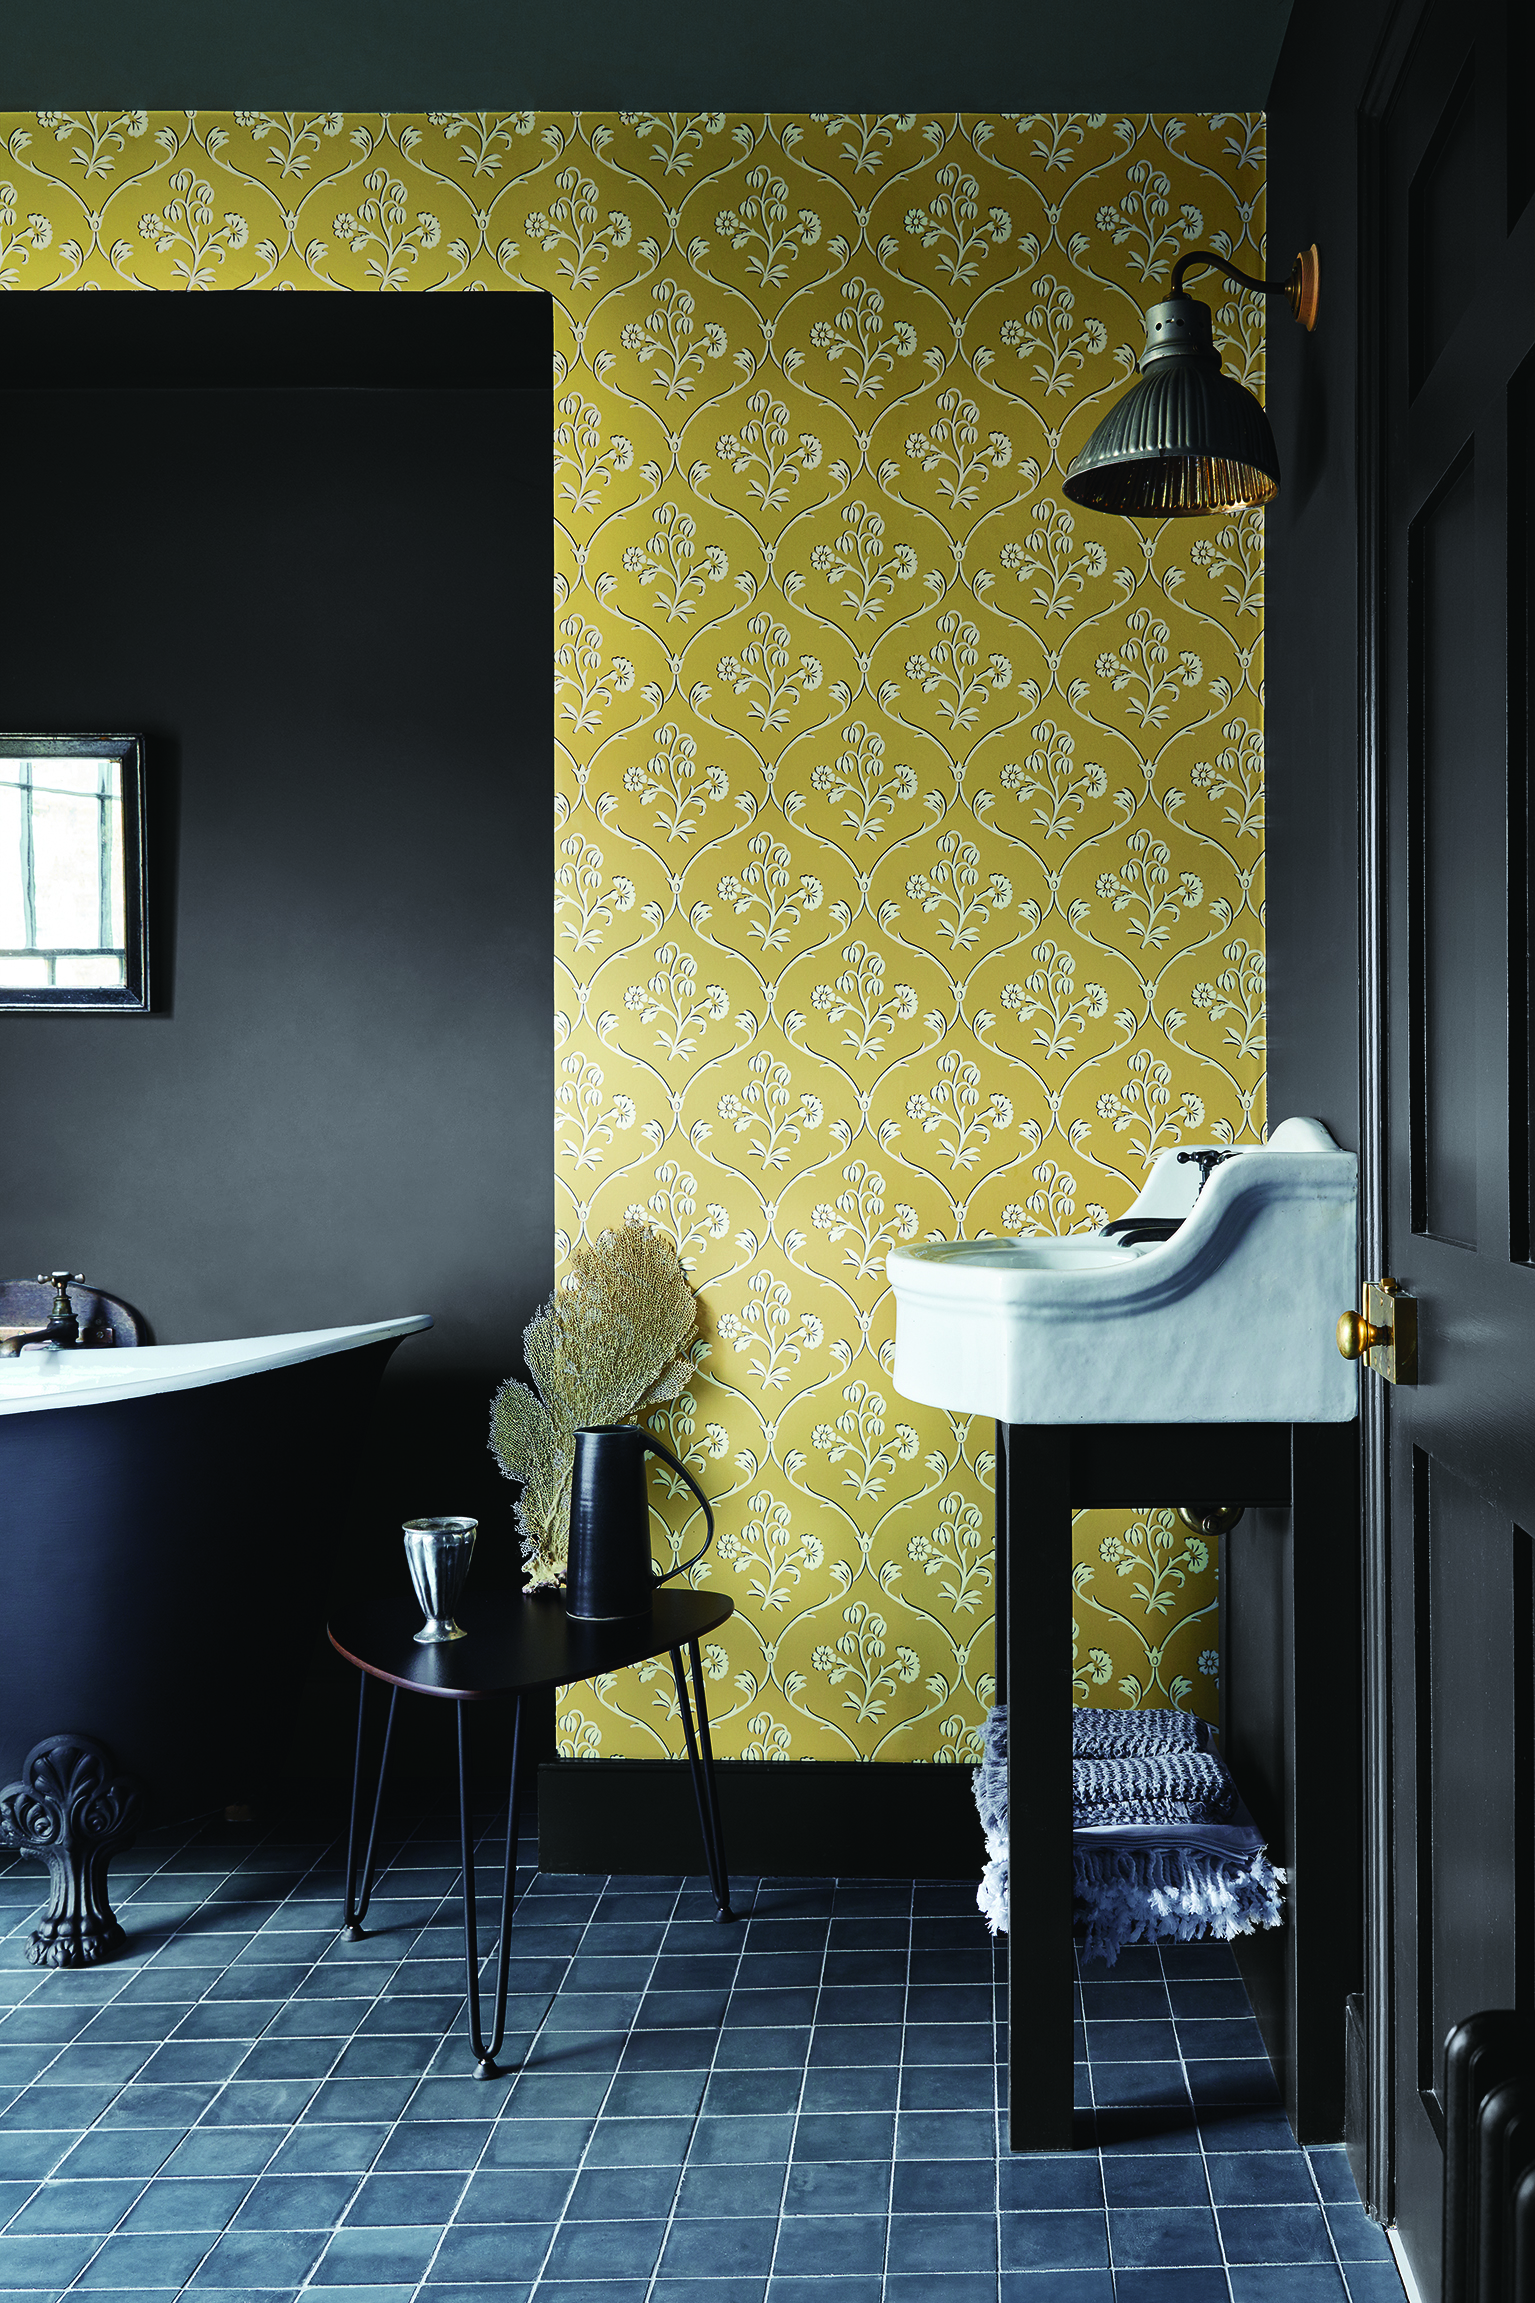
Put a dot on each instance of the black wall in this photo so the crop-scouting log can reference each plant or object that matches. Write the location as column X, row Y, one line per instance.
column 329, row 611
column 863, row 55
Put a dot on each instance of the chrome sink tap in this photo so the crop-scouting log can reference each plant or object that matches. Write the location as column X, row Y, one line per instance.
column 63, row 1329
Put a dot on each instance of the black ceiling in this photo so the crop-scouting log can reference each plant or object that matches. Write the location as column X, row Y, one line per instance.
column 731, row 55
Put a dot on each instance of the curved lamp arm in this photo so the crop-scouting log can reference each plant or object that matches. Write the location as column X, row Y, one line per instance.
column 1300, row 286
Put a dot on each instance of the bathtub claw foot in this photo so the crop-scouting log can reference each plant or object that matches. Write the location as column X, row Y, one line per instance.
column 73, row 1811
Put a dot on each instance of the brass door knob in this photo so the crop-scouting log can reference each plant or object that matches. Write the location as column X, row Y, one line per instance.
column 1357, row 1335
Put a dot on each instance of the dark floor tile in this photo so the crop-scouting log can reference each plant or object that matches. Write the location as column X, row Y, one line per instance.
column 1136, row 1963
column 945, row 2187
column 738, row 2289
column 223, row 2151
column 1155, row 2179
column 738, row 2093
column 1297, row 2283
column 1057, row 2287
column 741, row 2142
column 1050, row 2179
column 841, row 2045
column 1125, row 2002
column 66, row 2206
column 516, row 2195
column 187, row 2203
column 847, row 2135
column 643, row 2142
column 1116, row 2085
column 770, row 2010
column 295, row 2203
column 1334, row 2176
column 967, row 2087
column 261, row 2259
column 1374, row 2283
column 944, row 2135
column 1163, row 2286
column 1223, row 2037
column 538, row 2143
column 372, row 2258
column 831, row 2246
column 1072, row 2239
column 318, row 2149
column 700, row 2245
column 861, row 2087
column 606, row 2250
column 489, row 2251
column 781, row 2048
column 1243, row 2127
column 1137, row 2042
column 137, row 2259
column 940, row 2287
column 1212, row 1998
column 1146, row 2237
column 668, row 2051
column 943, row 2242
column 853, row 2288
column 1261, row 2179
column 34, row 2154
column 557, row 2095
column 418, row 2198
column 711, row 2190
column 608, row 2194
column 1355, row 2237
column 1274, row 2235
column 951, row 2043
column 837, row 2187
column 649, row 2095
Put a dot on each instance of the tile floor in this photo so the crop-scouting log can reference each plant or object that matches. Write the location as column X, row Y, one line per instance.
column 800, row 2109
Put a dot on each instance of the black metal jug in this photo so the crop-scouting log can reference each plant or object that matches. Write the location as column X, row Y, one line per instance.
column 608, row 1574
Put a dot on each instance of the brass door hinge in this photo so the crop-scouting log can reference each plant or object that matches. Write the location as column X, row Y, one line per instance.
column 1385, row 1334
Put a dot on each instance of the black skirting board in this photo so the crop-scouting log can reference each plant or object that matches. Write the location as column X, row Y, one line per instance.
column 791, row 1819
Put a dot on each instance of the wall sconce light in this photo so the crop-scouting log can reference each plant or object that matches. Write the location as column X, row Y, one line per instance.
column 1185, row 439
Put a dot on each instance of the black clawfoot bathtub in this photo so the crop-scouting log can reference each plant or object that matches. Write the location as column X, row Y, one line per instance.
column 163, row 1548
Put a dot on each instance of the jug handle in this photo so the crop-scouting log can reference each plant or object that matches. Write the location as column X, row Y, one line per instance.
column 654, row 1447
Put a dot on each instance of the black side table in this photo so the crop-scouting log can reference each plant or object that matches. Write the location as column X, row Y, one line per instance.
column 516, row 1643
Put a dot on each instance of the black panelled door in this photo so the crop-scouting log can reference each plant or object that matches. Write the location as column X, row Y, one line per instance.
column 1449, row 403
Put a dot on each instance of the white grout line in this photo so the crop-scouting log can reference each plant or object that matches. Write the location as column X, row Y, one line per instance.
column 743, row 1921
column 559, row 2221
column 900, row 2084
column 451, row 2219
column 815, row 2012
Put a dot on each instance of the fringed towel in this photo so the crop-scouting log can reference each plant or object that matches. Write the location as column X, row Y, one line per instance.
column 1162, row 1848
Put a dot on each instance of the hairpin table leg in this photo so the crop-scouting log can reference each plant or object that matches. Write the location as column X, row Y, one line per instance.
column 357, row 1905
column 485, row 2053
column 703, row 1777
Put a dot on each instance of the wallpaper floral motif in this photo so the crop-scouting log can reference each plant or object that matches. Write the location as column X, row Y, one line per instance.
column 909, row 871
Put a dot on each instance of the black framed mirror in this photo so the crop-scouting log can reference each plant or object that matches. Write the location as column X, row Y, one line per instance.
column 72, row 927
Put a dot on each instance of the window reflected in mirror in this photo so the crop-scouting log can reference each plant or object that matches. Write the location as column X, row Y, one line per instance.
column 72, row 873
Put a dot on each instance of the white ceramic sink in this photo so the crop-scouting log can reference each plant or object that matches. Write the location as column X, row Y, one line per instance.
column 1230, row 1321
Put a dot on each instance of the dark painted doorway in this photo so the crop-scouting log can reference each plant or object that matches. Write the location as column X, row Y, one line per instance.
column 1448, row 254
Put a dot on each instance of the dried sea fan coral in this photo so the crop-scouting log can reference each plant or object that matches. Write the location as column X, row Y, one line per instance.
column 613, row 1340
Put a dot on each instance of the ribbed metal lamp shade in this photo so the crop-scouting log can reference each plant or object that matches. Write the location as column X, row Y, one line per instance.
column 1185, row 440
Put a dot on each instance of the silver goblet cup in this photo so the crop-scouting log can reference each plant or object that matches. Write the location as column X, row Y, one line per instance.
column 438, row 1552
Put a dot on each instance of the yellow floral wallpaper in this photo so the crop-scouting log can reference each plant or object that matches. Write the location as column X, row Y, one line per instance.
column 909, row 877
